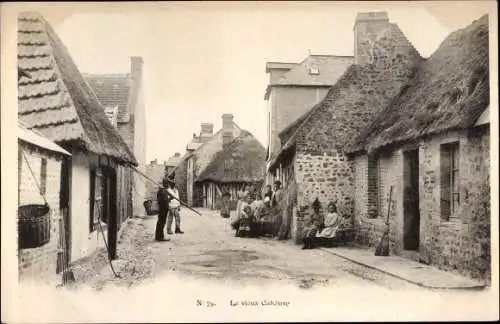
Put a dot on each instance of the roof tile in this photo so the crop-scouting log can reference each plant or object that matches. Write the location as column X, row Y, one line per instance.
column 66, row 109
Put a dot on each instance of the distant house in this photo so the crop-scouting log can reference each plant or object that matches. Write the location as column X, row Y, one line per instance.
column 172, row 163
column 57, row 102
column 432, row 143
column 122, row 96
column 241, row 162
column 294, row 88
column 313, row 146
column 197, row 159
column 41, row 163
column 155, row 171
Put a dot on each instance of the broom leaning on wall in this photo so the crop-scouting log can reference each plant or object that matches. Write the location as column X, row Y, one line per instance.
column 383, row 246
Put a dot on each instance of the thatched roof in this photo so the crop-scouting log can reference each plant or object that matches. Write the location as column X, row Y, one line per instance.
column 243, row 160
column 357, row 96
column 56, row 100
column 449, row 92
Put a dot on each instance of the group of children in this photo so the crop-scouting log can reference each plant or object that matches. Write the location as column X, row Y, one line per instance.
column 318, row 229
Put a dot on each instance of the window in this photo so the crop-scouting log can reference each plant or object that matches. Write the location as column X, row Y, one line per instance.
column 450, row 193
column 96, row 198
column 313, row 70
column 43, row 177
column 373, row 187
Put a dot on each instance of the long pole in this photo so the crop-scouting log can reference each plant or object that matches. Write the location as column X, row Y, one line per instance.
column 156, row 183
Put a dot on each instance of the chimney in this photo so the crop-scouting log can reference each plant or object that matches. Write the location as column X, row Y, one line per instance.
column 207, row 129
column 177, row 154
column 136, row 67
column 227, row 129
column 154, row 162
column 227, row 122
column 369, row 27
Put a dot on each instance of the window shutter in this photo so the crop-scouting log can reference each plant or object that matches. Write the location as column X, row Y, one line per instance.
column 445, row 184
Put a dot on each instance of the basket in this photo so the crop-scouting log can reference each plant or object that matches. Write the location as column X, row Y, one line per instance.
column 33, row 226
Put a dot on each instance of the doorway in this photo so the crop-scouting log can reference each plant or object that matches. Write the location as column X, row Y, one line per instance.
column 111, row 211
column 411, row 233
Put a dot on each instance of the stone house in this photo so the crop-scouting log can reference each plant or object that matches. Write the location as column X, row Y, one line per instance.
column 172, row 163
column 56, row 101
column 432, row 144
column 40, row 166
column 122, row 96
column 294, row 88
column 240, row 163
column 313, row 145
column 199, row 156
column 181, row 168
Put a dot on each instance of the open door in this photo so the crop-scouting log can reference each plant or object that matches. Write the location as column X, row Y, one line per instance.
column 411, row 234
column 111, row 211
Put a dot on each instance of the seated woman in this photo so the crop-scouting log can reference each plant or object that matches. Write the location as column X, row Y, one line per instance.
column 332, row 223
column 312, row 225
column 246, row 226
column 265, row 218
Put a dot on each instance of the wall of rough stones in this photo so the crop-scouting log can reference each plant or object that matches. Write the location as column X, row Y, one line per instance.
column 41, row 262
column 370, row 219
column 461, row 244
column 328, row 177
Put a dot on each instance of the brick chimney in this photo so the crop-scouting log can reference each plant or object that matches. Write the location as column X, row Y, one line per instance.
column 369, row 27
column 136, row 64
column 207, row 131
column 227, row 129
column 136, row 67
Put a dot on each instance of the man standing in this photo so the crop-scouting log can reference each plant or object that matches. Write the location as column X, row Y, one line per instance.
column 269, row 192
column 174, row 208
column 163, row 202
column 278, row 193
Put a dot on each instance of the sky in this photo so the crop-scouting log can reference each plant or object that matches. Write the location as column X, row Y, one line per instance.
column 201, row 61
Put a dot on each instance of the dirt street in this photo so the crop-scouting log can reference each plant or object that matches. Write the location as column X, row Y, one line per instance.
column 209, row 250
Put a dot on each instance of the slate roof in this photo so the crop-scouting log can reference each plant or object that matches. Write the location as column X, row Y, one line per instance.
column 243, row 160
column 112, row 90
column 449, row 92
column 173, row 160
column 364, row 80
column 329, row 67
column 56, row 100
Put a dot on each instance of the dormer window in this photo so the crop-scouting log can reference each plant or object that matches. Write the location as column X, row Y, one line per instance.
column 112, row 114
column 314, row 70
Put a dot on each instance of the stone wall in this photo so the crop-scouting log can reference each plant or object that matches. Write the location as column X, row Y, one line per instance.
column 40, row 263
column 371, row 199
column 461, row 244
column 328, row 177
